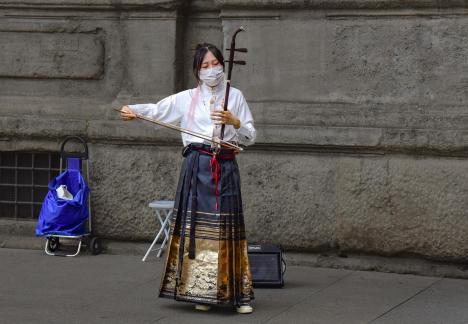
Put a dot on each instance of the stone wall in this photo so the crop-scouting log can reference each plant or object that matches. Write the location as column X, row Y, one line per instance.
column 360, row 106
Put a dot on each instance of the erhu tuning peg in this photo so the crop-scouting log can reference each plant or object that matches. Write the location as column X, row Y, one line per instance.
column 243, row 50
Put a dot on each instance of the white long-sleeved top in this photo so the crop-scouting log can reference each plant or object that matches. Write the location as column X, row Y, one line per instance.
column 176, row 108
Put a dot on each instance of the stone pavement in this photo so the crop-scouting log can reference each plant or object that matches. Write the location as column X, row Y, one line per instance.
column 35, row 288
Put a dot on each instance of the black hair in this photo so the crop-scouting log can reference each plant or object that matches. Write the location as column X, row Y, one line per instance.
column 200, row 52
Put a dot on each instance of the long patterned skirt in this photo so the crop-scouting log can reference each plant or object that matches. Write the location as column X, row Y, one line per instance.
column 207, row 259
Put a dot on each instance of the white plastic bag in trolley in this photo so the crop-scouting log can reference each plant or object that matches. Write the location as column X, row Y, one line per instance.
column 63, row 193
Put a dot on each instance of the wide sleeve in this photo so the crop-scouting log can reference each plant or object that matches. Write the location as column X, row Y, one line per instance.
column 246, row 133
column 167, row 110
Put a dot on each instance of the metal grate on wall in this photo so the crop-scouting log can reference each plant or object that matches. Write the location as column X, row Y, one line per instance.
column 23, row 182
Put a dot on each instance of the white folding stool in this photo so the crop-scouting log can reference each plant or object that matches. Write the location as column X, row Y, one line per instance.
column 166, row 207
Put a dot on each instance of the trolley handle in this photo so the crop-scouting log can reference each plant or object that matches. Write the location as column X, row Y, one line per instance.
column 83, row 155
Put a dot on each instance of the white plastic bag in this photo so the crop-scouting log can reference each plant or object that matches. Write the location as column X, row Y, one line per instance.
column 63, row 193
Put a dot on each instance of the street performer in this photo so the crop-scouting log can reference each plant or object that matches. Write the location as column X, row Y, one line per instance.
column 207, row 261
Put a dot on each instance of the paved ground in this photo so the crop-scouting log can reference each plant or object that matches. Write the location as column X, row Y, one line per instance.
column 35, row 288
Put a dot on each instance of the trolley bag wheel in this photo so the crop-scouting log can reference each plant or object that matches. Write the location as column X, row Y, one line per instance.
column 95, row 246
column 53, row 243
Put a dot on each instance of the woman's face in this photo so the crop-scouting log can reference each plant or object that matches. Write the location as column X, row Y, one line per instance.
column 209, row 61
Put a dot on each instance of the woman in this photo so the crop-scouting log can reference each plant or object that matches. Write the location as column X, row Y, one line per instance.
column 209, row 265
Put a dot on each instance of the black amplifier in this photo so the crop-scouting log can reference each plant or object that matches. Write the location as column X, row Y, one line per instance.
column 267, row 265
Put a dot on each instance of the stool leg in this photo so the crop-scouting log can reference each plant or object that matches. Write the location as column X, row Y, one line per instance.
column 166, row 225
column 155, row 239
column 167, row 222
column 161, row 248
column 150, row 249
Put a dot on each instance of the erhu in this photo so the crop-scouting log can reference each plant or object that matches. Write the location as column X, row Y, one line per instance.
column 231, row 63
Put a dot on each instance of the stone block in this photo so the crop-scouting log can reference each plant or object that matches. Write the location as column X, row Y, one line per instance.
column 339, row 4
column 399, row 205
column 151, row 55
column 289, row 198
column 417, row 60
column 51, row 55
column 67, row 58
column 124, row 180
column 286, row 56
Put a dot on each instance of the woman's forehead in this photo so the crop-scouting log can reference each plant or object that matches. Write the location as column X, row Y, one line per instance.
column 209, row 57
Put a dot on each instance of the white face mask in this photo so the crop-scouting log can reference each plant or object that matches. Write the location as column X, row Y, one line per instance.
column 213, row 76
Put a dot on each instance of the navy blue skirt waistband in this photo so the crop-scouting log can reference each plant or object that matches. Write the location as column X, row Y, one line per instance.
column 205, row 148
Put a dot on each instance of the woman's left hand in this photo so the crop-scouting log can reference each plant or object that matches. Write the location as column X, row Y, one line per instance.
column 225, row 117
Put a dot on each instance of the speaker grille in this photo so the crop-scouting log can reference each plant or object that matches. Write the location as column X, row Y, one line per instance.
column 264, row 267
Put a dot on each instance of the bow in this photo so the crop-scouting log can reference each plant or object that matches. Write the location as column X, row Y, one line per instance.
column 219, row 142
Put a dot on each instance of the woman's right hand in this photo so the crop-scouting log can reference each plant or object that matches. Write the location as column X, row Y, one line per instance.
column 126, row 113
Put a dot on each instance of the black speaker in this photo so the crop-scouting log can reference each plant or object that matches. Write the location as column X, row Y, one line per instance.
column 267, row 265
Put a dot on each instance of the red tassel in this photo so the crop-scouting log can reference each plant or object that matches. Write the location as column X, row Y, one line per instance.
column 215, row 173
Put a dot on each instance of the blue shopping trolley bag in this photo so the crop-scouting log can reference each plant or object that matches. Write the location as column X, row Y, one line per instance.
column 68, row 216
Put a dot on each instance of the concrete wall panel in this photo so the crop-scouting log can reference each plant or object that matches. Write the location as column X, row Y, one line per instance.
column 123, row 181
column 360, row 108
column 51, row 56
column 397, row 205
